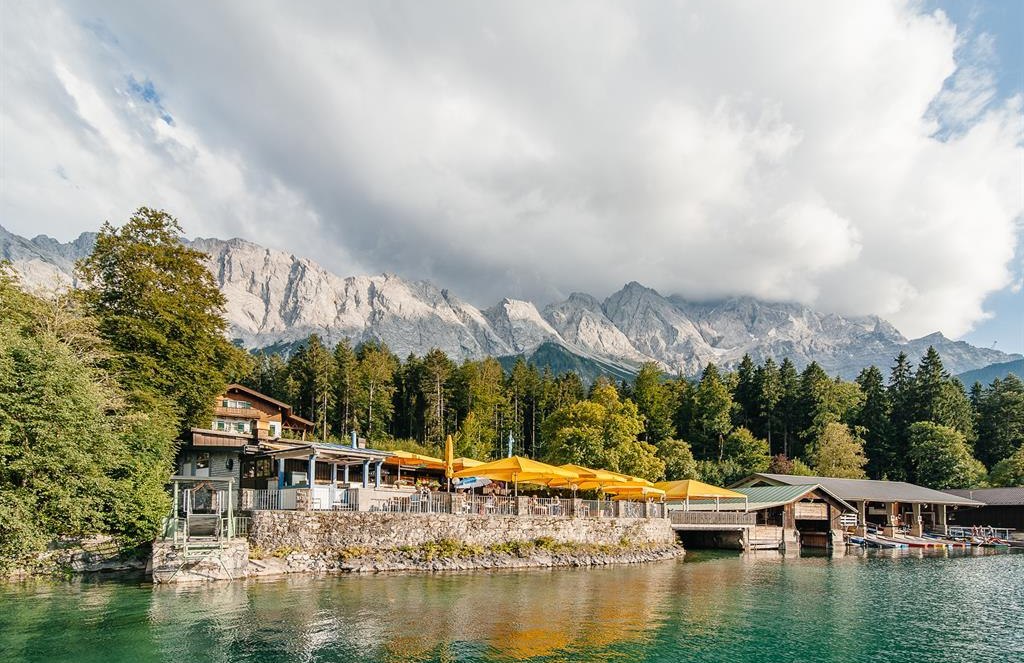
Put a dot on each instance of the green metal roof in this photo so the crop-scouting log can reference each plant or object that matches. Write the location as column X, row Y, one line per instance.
column 854, row 490
column 761, row 497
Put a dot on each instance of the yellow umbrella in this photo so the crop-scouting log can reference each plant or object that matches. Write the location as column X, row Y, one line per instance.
column 462, row 463
column 624, row 491
column 449, row 458
column 688, row 489
column 515, row 469
column 588, row 478
column 409, row 459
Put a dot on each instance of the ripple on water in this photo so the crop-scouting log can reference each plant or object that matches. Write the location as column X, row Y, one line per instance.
column 712, row 606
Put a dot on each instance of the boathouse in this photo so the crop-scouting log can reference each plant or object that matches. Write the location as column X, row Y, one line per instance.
column 787, row 516
column 886, row 504
column 1004, row 507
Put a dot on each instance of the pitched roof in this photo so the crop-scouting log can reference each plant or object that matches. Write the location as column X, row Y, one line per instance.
column 766, row 497
column 855, row 490
column 255, row 394
column 993, row 496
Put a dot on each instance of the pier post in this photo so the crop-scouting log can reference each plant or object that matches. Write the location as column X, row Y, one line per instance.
column 280, row 473
column 366, row 474
column 917, row 529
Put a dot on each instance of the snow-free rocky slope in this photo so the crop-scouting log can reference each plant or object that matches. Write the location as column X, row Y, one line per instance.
column 276, row 299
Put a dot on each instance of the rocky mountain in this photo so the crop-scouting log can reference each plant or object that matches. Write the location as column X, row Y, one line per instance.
column 276, row 299
column 42, row 262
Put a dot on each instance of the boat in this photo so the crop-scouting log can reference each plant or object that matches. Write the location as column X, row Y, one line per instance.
column 884, row 542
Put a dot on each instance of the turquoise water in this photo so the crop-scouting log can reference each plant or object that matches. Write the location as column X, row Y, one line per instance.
column 710, row 607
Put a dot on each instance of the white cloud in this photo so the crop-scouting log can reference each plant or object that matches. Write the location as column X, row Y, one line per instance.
column 848, row 155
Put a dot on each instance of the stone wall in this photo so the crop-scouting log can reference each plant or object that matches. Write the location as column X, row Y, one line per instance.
column 169, row 564
column 321, row 531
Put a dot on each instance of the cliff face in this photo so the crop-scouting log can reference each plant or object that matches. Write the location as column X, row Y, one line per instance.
column 278, row 298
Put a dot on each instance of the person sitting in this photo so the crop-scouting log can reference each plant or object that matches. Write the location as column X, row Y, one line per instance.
column 556, row 506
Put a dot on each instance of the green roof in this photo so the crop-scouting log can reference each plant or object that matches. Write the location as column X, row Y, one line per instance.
column 761, row 497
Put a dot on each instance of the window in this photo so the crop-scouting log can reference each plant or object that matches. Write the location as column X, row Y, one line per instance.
column 220, row 425
column 265, row 468
column 240, row 427
column 275, row 429
column 202, row 461
column 237, row 405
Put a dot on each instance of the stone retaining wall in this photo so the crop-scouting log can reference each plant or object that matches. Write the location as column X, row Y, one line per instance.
column 322, row 531
column 169, row 564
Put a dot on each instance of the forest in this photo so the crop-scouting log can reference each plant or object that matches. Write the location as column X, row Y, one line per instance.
column 912, row 423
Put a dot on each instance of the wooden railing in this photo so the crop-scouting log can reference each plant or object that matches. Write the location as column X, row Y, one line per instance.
column 237, row 412
column 712, row 518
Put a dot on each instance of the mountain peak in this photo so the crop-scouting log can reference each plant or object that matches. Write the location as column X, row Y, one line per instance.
column 275, row 298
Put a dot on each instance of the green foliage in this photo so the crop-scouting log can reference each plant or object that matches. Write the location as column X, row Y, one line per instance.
column 719, row 473
column 655, row 402
column 161, row 312
column 639, row 459
column 874, row 422
column 600, row 432
column 940, row 457
column 75, row 458
column 838, row 453
column 1009, row 471
column 678, row 459
column 749, row 453
column 1000, row 410
column 375, row 389
column 712, row 408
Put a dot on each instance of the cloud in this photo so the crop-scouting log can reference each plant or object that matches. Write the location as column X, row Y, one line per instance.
column 850, row 156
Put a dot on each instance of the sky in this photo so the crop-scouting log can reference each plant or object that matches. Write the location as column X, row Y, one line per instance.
column 862, row 158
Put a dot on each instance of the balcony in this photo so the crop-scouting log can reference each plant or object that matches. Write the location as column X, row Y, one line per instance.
column 237, row 412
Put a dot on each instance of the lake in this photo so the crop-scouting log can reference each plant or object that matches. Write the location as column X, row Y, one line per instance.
column 711, row 606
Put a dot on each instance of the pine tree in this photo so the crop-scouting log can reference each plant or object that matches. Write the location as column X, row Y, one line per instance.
column 375, row 397
column 312, row 367
column 901, row 397
column 712, row 413
column 874, row 423
column 1000, row 420
column 346, row 386
column 745, row 393
column 435, row 391
column 768, row 385
column 789, row 405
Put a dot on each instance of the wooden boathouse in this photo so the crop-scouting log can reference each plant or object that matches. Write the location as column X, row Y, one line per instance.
column 1004, row 507
column 889, row 505
column 784, row 516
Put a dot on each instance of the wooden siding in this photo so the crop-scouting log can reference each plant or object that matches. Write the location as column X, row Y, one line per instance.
column 810, row 511
column 215, row 440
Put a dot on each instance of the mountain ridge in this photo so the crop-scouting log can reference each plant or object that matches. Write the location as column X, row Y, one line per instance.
column 275, row 298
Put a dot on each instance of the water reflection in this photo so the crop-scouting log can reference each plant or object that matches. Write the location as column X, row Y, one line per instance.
column 504, row 615
column 761, row 606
